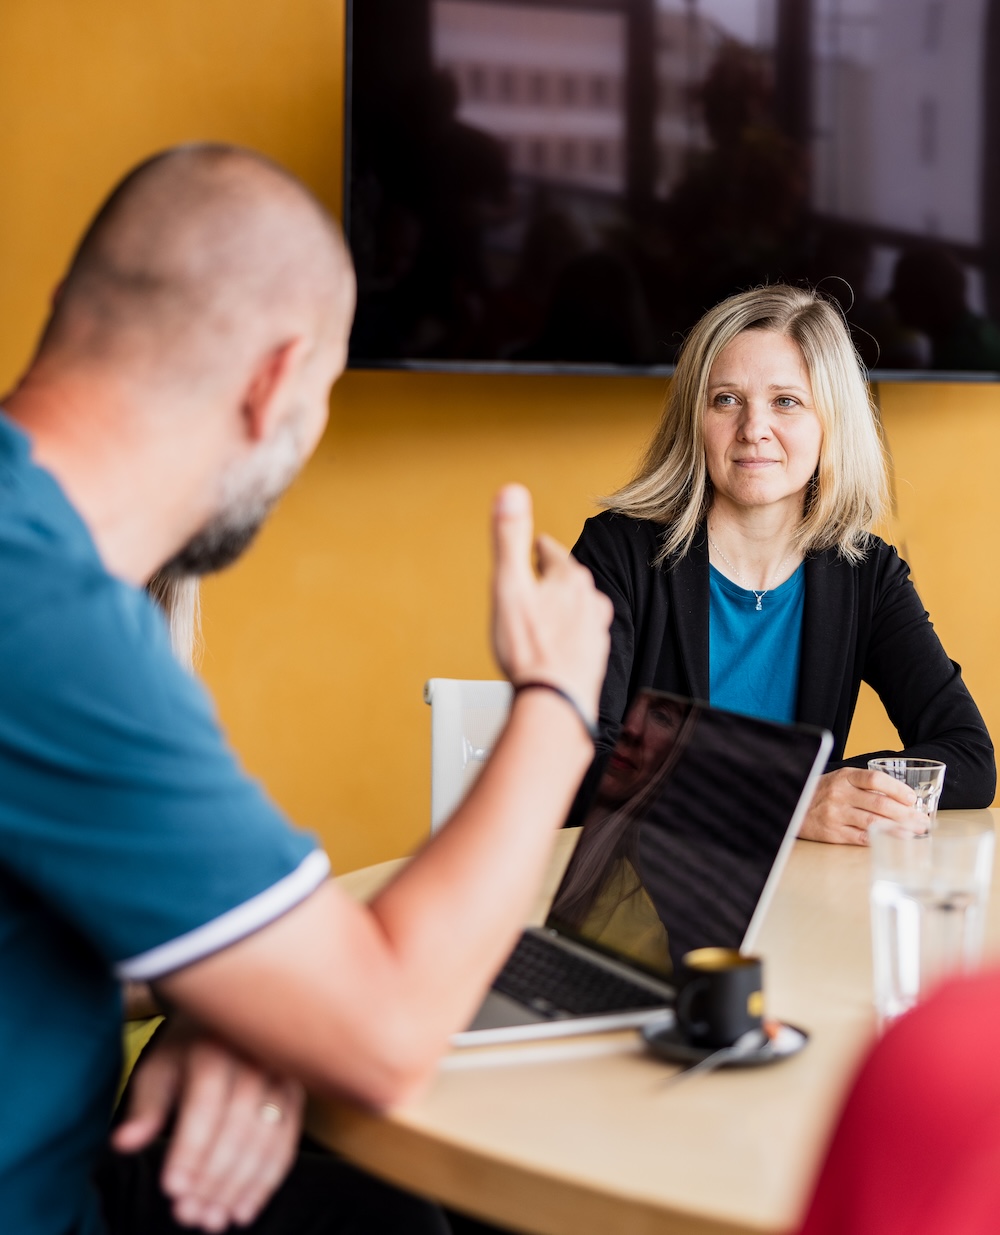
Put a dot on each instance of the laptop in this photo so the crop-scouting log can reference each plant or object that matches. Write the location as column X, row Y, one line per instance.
column 692, row 820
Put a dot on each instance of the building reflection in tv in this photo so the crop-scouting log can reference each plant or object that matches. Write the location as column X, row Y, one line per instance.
column 517, row 198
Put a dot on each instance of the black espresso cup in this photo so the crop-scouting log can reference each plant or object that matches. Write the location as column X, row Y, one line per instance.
column 720, row 996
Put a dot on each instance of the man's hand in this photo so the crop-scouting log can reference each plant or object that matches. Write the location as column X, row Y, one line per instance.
column 552, row 628
column 849, row 800
column 236, row 1132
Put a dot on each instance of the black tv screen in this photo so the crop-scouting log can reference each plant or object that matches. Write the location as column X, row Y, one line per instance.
column 571, row 183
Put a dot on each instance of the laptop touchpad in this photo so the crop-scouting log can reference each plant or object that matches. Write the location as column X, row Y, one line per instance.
column 498, row 1010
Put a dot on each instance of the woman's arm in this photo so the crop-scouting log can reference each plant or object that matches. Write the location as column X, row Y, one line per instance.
column 923, row 692
column 601, row 548
column 926, row 699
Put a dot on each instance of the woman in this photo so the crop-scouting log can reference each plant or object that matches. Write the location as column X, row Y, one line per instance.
column 742, row 566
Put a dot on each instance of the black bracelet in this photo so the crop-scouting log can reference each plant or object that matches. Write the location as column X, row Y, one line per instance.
column 591, row 726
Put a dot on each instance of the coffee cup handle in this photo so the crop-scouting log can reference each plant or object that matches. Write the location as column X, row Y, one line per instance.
column 685, row 998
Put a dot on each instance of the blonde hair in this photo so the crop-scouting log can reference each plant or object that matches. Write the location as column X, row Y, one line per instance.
column 849, row 493
column 180, row 600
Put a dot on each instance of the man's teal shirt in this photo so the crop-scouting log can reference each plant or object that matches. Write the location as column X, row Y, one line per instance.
column 131, row 843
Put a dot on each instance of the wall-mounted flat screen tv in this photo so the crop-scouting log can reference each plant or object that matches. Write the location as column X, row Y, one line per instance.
column 570, row 183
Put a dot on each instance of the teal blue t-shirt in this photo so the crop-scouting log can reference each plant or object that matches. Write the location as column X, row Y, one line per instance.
column 131, row 843
column 754, row 654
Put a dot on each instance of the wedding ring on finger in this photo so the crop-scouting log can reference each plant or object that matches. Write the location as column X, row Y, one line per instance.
column 271, row 1113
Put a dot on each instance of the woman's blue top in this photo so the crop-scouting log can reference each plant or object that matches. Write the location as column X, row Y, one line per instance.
column 753, row 654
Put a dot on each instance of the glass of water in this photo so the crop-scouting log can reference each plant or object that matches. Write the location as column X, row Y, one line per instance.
column 924, row 776
column 928, row 899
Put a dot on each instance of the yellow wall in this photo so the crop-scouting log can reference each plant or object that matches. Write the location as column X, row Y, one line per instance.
column 944, row 439
column 372, row 575
column 89, row 87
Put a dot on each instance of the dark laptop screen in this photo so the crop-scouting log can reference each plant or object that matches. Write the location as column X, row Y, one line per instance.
column 686, row 823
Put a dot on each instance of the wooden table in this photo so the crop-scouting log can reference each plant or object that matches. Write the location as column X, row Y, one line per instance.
column 584, row 1137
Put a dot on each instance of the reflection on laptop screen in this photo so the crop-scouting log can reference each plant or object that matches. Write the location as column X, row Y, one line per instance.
column 688, row 817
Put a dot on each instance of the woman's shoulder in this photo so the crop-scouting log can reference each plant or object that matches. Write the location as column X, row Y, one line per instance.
column 875, row 555
column 613, row 532
column 880, row 565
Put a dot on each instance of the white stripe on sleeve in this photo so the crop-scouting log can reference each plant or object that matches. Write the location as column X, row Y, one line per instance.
column 230, row 926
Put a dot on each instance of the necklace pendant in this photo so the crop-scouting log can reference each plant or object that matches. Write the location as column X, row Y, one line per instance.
column 760, row 597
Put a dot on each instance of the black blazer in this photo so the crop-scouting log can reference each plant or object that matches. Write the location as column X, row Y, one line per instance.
column 860, row 623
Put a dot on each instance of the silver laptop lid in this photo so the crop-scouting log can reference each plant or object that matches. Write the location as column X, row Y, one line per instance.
column 692, row 820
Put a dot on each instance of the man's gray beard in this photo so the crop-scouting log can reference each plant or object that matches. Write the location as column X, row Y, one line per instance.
column 249, row 491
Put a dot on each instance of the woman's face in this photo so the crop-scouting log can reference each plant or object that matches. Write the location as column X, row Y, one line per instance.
column 647, row 735
column 762, row 434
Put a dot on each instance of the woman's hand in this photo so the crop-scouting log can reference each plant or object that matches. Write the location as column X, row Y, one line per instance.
column 236, row 1133
column 849, row 800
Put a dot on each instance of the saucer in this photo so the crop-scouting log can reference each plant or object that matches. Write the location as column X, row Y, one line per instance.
column 666, row 1041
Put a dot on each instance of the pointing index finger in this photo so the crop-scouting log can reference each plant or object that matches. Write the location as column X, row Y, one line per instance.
column 513, row 528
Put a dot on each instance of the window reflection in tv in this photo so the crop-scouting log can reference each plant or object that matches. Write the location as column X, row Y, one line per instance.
column 573, row 182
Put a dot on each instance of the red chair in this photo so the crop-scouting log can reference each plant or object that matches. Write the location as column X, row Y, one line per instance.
column 917, row 1148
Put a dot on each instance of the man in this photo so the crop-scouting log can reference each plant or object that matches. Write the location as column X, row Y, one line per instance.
column 179, row 385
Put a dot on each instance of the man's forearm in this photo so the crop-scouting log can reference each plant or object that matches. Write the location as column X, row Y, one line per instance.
column 471, row 889
column 361, row 999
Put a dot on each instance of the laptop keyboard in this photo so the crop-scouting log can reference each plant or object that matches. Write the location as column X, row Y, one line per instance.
column 555, row 982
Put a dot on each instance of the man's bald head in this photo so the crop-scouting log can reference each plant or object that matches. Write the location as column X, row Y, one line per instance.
column 200, row 258
column 184, row 374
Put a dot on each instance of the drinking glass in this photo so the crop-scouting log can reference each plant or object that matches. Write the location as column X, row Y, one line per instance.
column 928, row 902
column 924, row 776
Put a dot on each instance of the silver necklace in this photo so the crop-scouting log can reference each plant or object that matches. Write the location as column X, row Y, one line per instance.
column 758, row 595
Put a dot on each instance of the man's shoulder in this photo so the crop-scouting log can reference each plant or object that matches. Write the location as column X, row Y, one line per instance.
column 75, row 641
column 47, row 576
column 44, row 544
